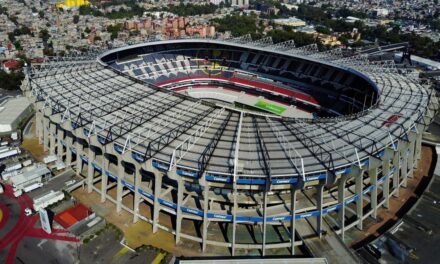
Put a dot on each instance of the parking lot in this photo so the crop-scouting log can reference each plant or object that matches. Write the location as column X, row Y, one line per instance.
column 23, row 240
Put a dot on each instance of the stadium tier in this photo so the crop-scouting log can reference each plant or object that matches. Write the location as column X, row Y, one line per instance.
column 208, row 139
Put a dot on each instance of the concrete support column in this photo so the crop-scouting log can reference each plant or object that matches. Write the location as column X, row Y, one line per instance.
column 205, row 216
column 60, row 150
column 79, row 162
column 396, row 173
column 69, row 143
column 386, row 182
column 419, row 143
column 45, row 133
column 90, row 170
column 52, row 138
column 319, row 202
column 157, row 193
column 39, row 126
column 137, row 195
column 104, row 180
column 265, row 201
column 404, row 169
column 411, row 153
column 119, row 187
column 234, row 217
column 341, row 202
column 359, row 184
column 180, row 188
column 373, row 195
column 293, row 220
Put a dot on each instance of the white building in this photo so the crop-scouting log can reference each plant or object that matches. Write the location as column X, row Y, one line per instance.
column 382, row 12
column 240, row 3
column 420, row 62
column 30, row 175
column 216, row 2
column 291, row 21
column 47, row 199
column 12, row 112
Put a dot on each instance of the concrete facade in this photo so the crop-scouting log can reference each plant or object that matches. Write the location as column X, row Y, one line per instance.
column 271, row 209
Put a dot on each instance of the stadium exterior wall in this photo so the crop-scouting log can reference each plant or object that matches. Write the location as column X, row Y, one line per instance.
column 409, row 151
column 385, row 173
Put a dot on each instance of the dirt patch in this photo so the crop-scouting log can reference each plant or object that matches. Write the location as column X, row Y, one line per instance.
column 36, row 150
column 31, row 144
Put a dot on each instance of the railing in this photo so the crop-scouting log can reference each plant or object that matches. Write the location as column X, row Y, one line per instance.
column 294, row 157
column 192, row 139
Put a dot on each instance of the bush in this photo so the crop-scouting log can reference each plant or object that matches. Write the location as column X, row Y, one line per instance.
column 11, row 81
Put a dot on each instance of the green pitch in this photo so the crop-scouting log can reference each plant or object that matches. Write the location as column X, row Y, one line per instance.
column 276, row 109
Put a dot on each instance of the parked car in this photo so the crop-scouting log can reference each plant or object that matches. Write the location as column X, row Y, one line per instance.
column 28, row 212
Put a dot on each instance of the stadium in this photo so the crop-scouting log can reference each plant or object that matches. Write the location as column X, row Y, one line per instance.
column 235, row 143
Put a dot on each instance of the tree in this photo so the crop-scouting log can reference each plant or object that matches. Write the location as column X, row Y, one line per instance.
column 22, row 31
column 323, row 30
column 48, row 52
column 17, row 45
column 11, row 81
column 300, row 38
column 41, row 14
column 44, row 35
column 3, row 10
column 192, row 10
column 238, row 25
column 23, row 59
column 75, row 19
column 11, row 36
column 114, row 30
column 13, row 19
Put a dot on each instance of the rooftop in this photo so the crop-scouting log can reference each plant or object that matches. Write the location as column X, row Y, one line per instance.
column 11, row 111
column 72, row 215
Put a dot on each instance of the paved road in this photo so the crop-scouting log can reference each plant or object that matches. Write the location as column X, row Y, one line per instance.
column 57, row 183
column 329, row 246
column 414, row 232
column 106, row 249
column 22, row 239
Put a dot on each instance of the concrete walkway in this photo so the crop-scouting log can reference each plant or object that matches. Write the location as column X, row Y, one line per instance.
column 329, row 246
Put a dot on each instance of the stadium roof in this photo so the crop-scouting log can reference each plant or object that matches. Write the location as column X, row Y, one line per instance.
column 153, row 123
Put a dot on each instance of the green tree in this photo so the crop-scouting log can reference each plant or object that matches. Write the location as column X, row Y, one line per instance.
column 13, row 19
column 11, row 36
column 17, row 45
column 44, row 34
column 75, row 19
column 238, row 25
column 191, row 9
column 3, row 10
column 114, row 30
column 11, row 81
column 323, row 30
